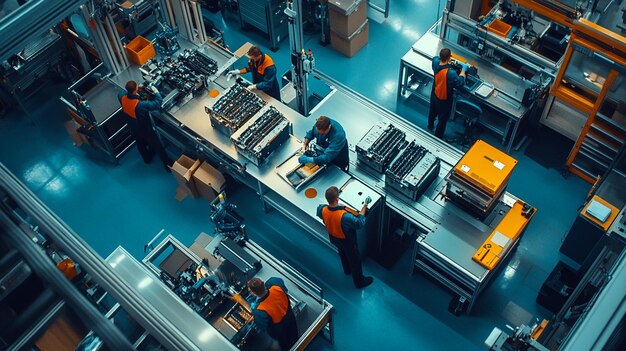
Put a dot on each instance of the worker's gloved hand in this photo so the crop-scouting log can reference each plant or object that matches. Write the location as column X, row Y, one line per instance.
column 368, row 200
column 231, row 73
column 153, row 89
column 465, row 67
column 305, row 159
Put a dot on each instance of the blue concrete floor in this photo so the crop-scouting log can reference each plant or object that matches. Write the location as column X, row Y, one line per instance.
column 128, row 204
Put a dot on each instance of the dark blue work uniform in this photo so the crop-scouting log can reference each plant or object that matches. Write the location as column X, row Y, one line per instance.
column 140, row 125
column 334, row 143
column 441, row 97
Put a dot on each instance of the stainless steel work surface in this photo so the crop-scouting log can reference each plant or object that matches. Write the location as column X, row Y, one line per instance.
column 102, row 100
column 458, row 240
column 509, row 87
column 357, row 118
column 163, row 300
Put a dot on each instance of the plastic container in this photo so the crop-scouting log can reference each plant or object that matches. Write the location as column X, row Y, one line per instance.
column 140, row 50
column 500, row 28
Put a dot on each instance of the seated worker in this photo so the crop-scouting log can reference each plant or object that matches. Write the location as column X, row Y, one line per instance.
column 272, row 311
column 138, row 112
column 332, row 138
column 441, row 97
column 263, row 72
column 342, row 224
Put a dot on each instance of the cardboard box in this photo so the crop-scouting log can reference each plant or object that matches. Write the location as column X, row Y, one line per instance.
column 183, row 170
column 78, row 139
column 346, row 16
column 351, row 45
column 208, row 181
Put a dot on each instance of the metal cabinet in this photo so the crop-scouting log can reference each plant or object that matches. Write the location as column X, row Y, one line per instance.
column 268, row 16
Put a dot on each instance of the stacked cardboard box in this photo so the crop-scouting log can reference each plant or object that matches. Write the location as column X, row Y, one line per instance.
column 197, row 179
column 349, row 28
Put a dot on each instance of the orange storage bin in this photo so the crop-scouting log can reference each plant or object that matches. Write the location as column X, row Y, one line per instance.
column 500, row 28
column 140, row 50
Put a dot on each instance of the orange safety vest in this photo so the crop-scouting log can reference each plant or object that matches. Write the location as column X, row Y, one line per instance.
column 129, row 105
column 441, row 84
column 275, row 304
column 332, row 221
column 267, row 61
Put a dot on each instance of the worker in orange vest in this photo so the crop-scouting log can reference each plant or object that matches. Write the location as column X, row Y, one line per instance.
column 272, row 311
column 441, row 97
column 342, row 223
column 138, row 112
column 263, row 72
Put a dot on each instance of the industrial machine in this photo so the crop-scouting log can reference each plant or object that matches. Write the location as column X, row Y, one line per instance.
column 228, row 222
column 268, row 16
column 263, row 134
column 380, row 146
column 182, row 77
column 207, row 287
column 236, row 106
column 136, row 17
column 413, row 171
column 23, row 74
column 524, row 338
column 479, row 179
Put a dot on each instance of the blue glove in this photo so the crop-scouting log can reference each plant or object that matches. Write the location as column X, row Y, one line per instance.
column 305, row 159
column 465, row 67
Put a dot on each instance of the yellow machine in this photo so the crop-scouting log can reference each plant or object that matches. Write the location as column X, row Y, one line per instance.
column 505, row 235
column 486, row 167
column 479, row 178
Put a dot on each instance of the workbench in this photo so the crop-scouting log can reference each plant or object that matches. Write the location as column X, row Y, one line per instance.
column 315, row 318
column 503, row 111
column 189, row 128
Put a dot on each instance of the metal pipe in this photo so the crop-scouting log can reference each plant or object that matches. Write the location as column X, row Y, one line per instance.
column 47, row 271
column 136, row 305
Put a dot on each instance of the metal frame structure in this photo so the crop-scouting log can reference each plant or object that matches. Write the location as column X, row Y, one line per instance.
column 42, row 221
column 322, row 322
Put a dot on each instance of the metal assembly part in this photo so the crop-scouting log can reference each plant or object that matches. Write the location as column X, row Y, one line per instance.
column 234, row 108
column 380, row 145
column 264, row 135
column 180, row 78
column 413, row 171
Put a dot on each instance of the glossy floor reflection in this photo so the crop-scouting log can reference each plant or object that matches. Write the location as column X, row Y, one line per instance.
column 129, row 203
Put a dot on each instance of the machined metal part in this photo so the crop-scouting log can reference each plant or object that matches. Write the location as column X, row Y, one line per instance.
column 234, row 108
column 413, row 171
column 380, row 146
column 184, row 76
column 263, row 136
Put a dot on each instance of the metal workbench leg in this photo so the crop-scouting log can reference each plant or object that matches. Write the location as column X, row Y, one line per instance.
column 401, row 80
column 513, row 135
column 506, row 132
column 413, row 258
column 262, row 197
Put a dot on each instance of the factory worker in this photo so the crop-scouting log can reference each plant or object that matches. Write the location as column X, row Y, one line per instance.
column 441, row 97
column 138, row 112
column 272, row 311
column 342, row 224
column 332, row 138
column 263, row 72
